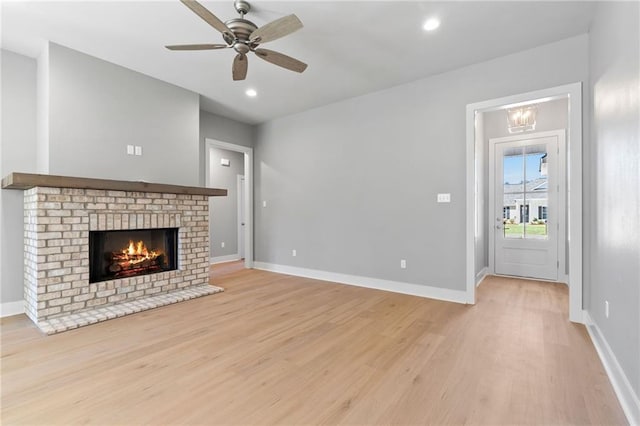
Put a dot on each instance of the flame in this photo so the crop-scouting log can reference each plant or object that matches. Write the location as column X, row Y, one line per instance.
column 138, row 252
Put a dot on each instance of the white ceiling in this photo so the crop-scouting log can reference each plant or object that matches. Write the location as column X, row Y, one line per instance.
column 352, row 48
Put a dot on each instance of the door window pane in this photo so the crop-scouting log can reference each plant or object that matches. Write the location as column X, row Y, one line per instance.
column 536, row 228
column 513, row 192
column 513, row 228
column 536, row 192
column 513, row 169
column 525, row 199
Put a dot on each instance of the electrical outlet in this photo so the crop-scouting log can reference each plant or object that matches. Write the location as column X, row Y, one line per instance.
column 294, row 252
column 403, row 264
column 222, row 244
column 606, row 308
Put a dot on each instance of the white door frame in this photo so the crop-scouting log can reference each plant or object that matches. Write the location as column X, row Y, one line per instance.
column 248, row 190
column 241, row 210
column 573, row 92
column 562, row 200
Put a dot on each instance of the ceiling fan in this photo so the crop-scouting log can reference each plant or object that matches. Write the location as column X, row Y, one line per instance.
column 244, row 37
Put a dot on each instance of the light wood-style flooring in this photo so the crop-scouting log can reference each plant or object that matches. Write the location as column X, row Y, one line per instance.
column 276, row 349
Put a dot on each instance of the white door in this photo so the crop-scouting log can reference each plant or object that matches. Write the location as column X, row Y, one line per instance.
column 241, row 215
column 527, row 205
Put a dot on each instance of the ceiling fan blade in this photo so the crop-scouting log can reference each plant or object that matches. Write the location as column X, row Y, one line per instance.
column 205, row 14
column 239, row 69
column 209, row 46
column 276, row 29
column 281, row 60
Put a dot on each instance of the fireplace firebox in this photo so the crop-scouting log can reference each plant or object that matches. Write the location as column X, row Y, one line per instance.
column 129, row 253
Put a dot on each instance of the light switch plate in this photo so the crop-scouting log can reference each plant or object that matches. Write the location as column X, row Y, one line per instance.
column 138, row 150
column 129, row 149
column 444, row 198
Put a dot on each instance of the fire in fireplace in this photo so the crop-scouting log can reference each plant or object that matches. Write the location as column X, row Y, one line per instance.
column 123, row 254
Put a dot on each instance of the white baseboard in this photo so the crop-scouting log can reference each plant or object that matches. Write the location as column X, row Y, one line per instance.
column 481, row 275
column 227, row 258
column 448, row 295
column 628, row 399
column 11, row 308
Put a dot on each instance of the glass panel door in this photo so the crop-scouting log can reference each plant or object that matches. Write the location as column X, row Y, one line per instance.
column 525, row 205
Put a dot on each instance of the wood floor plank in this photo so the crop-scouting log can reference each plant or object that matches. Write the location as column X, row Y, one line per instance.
column 277, row 349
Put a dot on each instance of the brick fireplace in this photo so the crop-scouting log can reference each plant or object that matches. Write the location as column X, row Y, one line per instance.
column 59, row 215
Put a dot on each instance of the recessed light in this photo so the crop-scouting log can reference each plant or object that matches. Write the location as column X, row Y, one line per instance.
column 251, row 93
column 431, row 24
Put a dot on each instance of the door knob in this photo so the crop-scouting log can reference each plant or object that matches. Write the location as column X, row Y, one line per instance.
column 498, row 226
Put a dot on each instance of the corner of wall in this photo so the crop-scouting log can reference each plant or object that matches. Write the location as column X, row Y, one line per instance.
column 42, row 118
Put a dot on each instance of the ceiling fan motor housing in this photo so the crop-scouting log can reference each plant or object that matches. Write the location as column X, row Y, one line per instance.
column 242, row 30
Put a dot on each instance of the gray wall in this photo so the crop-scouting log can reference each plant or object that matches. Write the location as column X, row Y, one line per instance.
column 17, row 153
column 224, row 130
column 42, row 110
column 552, row 115
column 97, row 108
column 352, row 186
column 613, row 258
column 223, row 219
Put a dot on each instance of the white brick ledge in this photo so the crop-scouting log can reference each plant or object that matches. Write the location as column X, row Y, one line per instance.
column 69, row 322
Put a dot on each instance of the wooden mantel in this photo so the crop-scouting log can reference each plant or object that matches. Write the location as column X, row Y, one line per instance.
column 29, row 180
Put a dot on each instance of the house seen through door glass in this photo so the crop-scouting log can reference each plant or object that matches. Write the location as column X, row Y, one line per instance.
column 525, row 192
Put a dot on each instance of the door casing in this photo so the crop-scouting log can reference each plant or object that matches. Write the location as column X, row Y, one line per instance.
column 240, row 184
column 248, row 194
column 573, row 92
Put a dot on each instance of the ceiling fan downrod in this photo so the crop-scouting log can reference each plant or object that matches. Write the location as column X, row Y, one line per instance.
column 242, row 7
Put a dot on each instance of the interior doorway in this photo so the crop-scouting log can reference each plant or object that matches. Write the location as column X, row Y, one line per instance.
column 244, row 189
column 477, row 204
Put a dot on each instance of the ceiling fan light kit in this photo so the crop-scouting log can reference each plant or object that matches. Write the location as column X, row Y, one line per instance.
column 244, row 36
